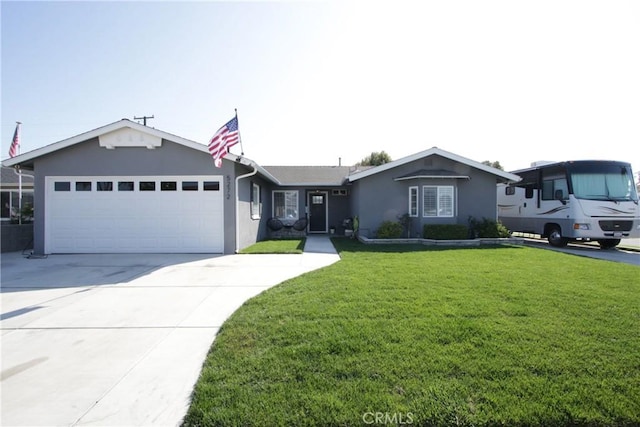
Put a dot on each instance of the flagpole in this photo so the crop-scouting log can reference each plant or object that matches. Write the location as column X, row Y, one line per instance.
column 19, row 196
column 239, row 135
column 19, row 186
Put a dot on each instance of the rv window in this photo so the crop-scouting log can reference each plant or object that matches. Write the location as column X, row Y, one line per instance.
column 509, row 191
column 547, row 190
column 551, row 187
column 528, row 191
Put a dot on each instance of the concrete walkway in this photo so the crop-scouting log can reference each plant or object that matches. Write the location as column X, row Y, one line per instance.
column 119, row 340
column 319, row 244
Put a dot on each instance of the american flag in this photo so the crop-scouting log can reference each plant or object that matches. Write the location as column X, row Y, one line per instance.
column 15, row 143
column 226, row 137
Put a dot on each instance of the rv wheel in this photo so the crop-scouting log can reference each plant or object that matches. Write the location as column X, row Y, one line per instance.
column 555, row 238
column 608, row 243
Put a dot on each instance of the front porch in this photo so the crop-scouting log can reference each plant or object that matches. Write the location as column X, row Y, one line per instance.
column 308, row 211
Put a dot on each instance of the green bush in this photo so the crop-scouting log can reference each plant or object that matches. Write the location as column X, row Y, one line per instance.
column 445, row 231
column 487, row 228
column 389, row 230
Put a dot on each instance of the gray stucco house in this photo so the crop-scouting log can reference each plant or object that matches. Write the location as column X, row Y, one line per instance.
column 125, row 187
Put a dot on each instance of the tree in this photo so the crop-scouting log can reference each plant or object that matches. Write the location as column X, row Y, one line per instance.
column 375, row 159
column 495, row 164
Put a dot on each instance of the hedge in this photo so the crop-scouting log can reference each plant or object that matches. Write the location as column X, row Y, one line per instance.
column 445, row 231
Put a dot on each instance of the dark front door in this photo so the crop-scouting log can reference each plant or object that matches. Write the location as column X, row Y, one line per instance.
column 317, row 212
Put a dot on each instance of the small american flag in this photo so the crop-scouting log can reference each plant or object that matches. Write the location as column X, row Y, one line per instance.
column 15, row 143
column 226, row 137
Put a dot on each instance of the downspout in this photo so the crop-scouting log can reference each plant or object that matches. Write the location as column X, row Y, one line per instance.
column 238, row 178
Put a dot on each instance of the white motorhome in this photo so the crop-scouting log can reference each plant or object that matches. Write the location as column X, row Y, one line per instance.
column 573, row 200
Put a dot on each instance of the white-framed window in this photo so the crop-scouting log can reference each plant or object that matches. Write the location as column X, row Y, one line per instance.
column 256, row 203
column 10, row 204
column 285, row 204
column 413, row 201
column 438, row 201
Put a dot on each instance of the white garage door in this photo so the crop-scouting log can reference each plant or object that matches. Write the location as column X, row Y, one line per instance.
column 114, row 214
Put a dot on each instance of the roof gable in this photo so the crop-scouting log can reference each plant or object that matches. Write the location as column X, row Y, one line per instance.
column 118, row 134
column 125, row 133
column 506, row 176
column 431, row 173
column 129, row 137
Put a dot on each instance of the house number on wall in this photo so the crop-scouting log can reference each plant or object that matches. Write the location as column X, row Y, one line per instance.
column 228, row 186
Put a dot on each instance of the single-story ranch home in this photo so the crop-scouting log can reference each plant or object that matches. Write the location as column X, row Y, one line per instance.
column 126, row 187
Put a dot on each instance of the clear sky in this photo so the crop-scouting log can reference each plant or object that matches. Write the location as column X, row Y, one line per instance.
column 512, row 81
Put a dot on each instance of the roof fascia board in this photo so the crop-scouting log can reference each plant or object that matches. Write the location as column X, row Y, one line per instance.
column 312, row 184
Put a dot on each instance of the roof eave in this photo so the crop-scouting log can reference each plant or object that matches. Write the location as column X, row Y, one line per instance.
column 508, row 177
column 313, row 184
column 51, row 148
column 248, row 162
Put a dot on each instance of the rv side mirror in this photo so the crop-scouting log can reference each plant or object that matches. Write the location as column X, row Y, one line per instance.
column 560, row 196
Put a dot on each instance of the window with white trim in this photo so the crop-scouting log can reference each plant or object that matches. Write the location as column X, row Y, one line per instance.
column 413, row 201
column 256, row 206
column 285, row 204
column 437, row 201
column 10, row 204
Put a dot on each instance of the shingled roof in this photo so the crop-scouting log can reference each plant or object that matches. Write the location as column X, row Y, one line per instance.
column 312, row 175
column 10, row 179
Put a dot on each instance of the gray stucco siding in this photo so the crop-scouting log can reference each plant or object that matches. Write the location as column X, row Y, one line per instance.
column 251, row 229
column 339, row 210
column 379, row 197
column 477, row 197
column 89, row 159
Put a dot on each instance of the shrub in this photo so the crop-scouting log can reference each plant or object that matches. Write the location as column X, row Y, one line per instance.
column 445, row 231
column 389, row 230
column 406, row 222
column 487, row 228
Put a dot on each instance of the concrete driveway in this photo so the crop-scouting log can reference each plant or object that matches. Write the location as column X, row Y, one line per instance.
column 624, row 254
column 120, row 339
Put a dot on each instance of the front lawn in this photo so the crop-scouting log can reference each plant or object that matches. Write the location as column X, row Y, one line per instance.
column 400, row 334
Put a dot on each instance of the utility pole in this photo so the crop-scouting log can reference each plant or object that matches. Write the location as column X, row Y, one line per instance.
column 144, row 119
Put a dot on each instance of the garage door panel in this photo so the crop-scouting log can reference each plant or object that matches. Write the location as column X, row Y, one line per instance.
column 132, row 221
column 104, row 244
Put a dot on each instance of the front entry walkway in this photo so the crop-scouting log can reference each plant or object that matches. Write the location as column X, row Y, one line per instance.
column 319, row 244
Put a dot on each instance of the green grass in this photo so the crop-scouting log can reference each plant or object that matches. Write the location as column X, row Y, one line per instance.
column 278, row 246
column 511, row 336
